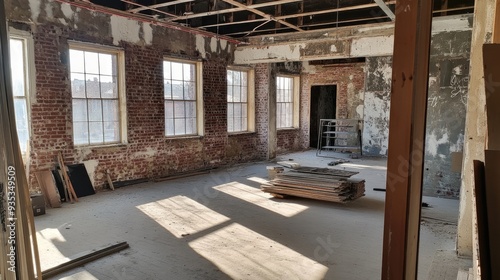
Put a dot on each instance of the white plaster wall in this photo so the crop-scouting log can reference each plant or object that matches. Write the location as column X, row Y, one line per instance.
column 376, row 120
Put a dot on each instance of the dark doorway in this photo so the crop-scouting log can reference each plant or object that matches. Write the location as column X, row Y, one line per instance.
column 323, row 106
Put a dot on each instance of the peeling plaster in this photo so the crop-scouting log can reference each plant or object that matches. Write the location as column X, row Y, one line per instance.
column 200, row 46
column 459, row 145
column 433, row 143
column 372, row 46
column 123, row 29
column 67, row 11
column 147, row 30
column 148, row 154
column 360, row 110
column 213, row 44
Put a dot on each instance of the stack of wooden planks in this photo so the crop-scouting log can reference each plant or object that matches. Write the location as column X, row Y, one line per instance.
column 317, row 183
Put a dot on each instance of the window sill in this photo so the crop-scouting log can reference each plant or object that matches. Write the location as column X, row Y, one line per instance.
column 241, row 133
column 288, row 129
column 104, row 146
column 183, row 137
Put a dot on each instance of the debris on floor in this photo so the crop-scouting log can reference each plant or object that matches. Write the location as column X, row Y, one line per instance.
column 315, row 183
column 337, row 162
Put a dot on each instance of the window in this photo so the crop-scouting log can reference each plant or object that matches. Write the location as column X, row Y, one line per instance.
column 97, row 93
column 240, row 101
column 182, row 90
column 287, row 102
column 20, row 88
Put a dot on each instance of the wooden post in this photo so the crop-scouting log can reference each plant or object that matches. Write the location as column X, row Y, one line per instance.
column 19, row 250
column 406, row 138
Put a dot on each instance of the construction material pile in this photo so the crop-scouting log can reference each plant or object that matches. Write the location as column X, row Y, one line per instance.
column 315, row 183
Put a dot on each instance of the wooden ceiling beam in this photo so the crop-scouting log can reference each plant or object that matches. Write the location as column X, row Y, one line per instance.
column 148, row 8
column 240, row 8
column 386, row 9
column 161, row 5
column 350, row 8
column 262, row 14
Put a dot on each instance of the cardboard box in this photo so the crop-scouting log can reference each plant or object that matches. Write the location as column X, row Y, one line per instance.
column 38, row 204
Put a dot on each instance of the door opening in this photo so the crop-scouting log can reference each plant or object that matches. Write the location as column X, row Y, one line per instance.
column 323, row 106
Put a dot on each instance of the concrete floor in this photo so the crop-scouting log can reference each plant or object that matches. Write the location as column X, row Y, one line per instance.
column 221, row 226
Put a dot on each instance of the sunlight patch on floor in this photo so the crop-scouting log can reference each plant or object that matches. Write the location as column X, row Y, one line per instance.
column 261, row 199
column 245, row 254
column 181, row 215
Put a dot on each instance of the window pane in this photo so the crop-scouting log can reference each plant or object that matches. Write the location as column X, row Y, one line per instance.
column 109, row 87
column 79, row 110
column 244, row 124
column 236, row 94
column 167, row 87
column 78, row 85
column 76, row 61
column 169, row 127
column 91, row 63
column 191, row 126
column 230, row 124
column 237, row 124
column 166, row 70
column 244, row 113
column 190, row 109
column 96, row 133
column 106, row 64
column 244, row 79
column 80, row 133
column 21, row 112
column 237, row 110
column 180, row 126
column 95, row 110
column 17, row 67
column 189, row 72
column 244, row 94
column 229, row 77
column 110, row 110
column 237, row 77
column 111, row 131
column 169, row 110
column 177, row 71
column 229, row 93
column 177, row 90
column 189, row 91
column 179, row 111
column 230, row 110
column 92, row 85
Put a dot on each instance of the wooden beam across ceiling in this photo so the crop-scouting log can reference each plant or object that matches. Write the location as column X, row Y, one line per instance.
column 410, row 78
column 262, row 14
column 240, row 8
column 156, row 6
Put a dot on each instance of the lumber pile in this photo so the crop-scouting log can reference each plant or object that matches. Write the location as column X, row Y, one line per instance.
column 317, row 183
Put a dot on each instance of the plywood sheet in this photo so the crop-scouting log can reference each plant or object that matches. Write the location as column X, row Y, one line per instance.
column 492, row 167
column 48, row 186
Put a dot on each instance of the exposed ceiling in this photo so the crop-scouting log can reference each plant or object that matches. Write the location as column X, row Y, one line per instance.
column 244, row 18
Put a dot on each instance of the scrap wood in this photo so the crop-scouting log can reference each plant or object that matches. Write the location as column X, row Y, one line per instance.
column 326, row 185
column 325, row 171
column 66, row 180
column 84, row 258
column 47, row 184
column 183, row 175
column 110, row 182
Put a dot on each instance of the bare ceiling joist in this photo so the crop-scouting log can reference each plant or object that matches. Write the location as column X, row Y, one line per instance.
column 237, row 9
column 386, row 9
column 161, row 5
column 148, row 8
column 262, row 14
column 329, row 11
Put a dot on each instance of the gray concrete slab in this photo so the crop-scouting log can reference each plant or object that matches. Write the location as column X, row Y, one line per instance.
column 221, row 226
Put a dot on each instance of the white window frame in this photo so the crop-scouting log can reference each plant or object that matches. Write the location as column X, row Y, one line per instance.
column 29, row 77
column 250, row 99
column 122, row 103
column 295, row 102
column 199, row 97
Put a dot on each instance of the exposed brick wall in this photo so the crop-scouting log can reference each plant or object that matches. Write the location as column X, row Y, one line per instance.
column 349, row 78
column 289, row 140
column 262, row 76
column 148, row 152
